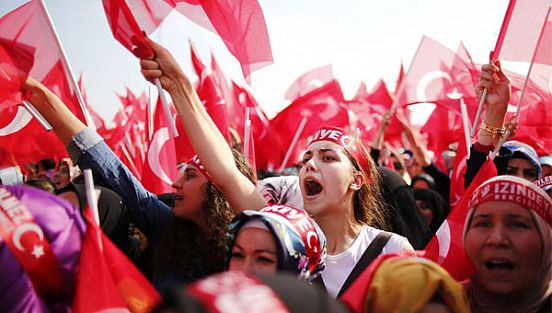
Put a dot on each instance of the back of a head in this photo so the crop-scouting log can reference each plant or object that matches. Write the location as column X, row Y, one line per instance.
column 405, row 219
column 405, row 283
column 47, row 164
column 242, row 292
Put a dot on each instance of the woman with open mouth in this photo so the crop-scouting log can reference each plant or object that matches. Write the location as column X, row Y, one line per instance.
column 508, row 237
column 338, row 179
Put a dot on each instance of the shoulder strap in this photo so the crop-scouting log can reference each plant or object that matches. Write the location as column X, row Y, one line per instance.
column 369, row 255
column 319, row 282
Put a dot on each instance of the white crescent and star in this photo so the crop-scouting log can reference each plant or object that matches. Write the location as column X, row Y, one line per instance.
column 20, row 120
column 160, row 137
column 38, row 250
column 443, row 237
column 426, row 79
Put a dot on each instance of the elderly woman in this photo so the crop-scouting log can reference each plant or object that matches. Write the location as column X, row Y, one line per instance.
column 507, row 237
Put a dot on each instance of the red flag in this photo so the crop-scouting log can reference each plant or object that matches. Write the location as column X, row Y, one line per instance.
column 209, row 94
column 21, row 27
column 519, row 34
column 107, row 280
column 239, row 23
column 99, row 122
column 361, row 91
column 222, row 83
column 322, row 106
column 399, row 78
column 446, row 248
column 457, row 177
column 535, row 120
column 309, row 81
column 159, row 171
column 16, row 60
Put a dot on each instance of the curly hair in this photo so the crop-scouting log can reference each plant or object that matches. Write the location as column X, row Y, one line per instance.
column 368, row 200
column 184, row 246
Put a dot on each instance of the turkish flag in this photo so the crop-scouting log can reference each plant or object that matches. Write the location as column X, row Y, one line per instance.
column 519, row 35
column 446, row 248
column 209, row 94
column 457, row 177
column 535, row 120
column 107, row 280
column 309, row 81
column 322, row 106
column 16, row 61
column 20, row 28
column 99, row 122
column 159, row 171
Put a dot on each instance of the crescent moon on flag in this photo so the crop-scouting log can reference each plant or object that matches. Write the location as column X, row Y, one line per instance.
column 159, row 139
column 331, row 109
column 443, row 237
column 20, row 120
column 426, row 80
column 22, row 229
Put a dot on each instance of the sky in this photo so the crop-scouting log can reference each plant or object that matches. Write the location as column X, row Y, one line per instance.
column 364, row 40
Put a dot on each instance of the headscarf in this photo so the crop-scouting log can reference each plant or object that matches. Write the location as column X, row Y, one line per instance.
column 281, row 190
column 522, row 150
column 238, row 291
column 63, row 227
column 517, row 190
column 435, row 203
column 400, row 282
column 400, row 209
column 300, row 243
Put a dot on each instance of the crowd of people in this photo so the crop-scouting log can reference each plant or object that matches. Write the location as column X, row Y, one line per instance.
column 344, row 235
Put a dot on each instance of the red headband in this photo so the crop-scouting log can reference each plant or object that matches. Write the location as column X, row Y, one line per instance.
column 346, row 141
column 197, row 164
column 544, row 182
column 517, row 190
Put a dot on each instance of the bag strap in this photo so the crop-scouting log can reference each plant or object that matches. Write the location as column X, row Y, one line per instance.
column 369, row 255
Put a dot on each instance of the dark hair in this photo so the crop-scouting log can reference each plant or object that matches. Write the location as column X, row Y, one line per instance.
column 43, row 184
column 184, row 246
column 47, row 164
column 368, row 200
column 425, row 177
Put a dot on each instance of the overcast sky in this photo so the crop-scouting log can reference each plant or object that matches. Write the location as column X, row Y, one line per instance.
column 364, row 40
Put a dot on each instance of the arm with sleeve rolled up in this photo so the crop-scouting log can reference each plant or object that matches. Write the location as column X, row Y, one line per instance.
column 209, row 144
column 498, row 87
column 88, row 150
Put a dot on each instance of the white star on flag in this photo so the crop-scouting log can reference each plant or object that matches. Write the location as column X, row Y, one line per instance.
column 38, row 251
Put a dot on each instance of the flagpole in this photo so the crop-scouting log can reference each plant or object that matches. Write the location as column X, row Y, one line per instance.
column 479, row 110
column 246, row 131
column 166, row 106
column 92, row 194
column 65, row 61
column 293, row 143
column 34, row 112
column 466, row 124
column 150, row 114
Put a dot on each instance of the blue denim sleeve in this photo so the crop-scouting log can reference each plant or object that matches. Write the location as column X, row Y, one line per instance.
column 89, row 151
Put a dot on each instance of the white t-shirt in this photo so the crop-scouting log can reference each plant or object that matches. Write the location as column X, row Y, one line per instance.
column 338, row 267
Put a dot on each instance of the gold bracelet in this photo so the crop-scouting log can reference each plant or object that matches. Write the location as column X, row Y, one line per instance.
column 494, row 131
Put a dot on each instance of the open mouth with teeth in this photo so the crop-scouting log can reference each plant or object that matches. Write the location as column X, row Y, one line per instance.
column 312, row 187
column 178, row 198
column 499, row 265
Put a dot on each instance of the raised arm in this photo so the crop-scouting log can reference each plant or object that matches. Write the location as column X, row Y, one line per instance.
column 88, row 150
column 209, row 144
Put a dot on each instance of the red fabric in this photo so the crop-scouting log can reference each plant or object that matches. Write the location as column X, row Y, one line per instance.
column 322, row 106
column 260, row 130
column 309, row 81
column 535, row 120
column 16, row 61
column 21, row 27
column 399, row 78
column 457, row 177
column 446, row 247
column 125, row 28
column 159, row 171
column 226, row 89
column 107, row 280
column 361, row 91
column 519, row 34
column 98, row 121
column 209, row 94
column 239, row 23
